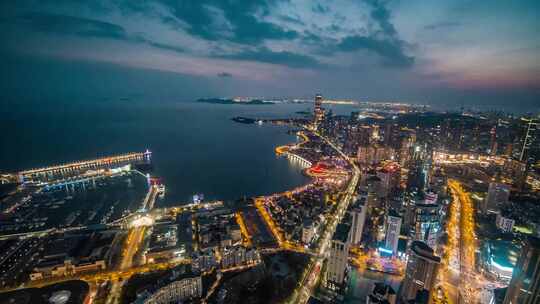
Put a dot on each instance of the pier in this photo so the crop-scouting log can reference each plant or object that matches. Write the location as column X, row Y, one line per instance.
column 47, row 173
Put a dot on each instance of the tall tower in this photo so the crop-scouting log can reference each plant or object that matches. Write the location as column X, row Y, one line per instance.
column 393, row 227
column 318, row 111
column 529, row 138
column 493, row 141
column 421, row 271
column 524, row 287
column 427, row 223
column 338, row 258
column 358, row 214
column 497, row 195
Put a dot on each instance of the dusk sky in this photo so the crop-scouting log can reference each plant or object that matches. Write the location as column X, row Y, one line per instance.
column 439, row 52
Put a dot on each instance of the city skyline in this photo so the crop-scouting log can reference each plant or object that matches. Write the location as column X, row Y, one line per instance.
column 398, row 204
column 460, row 53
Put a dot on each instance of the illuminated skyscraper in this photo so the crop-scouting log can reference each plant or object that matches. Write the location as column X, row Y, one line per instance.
column 338, row 258
column 358, row 215
column 497, row 195
column 531, row 128
column 524, row 288
column 421, row 271
column 318, row 111
column 393, row 227
column 427, row 223
column 493, row 141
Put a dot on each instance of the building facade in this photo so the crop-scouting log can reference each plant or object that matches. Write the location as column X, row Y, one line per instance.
column 524, row 286
column 421, row 271
column 338, row 258
column 497, row 195
column 393, row 228
column 358, row 215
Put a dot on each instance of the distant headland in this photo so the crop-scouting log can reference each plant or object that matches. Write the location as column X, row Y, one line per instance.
column 235, row 101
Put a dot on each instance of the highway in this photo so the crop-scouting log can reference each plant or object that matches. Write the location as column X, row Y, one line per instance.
column 462, row 246
column 245, row 234
column 107, row 275
column 286, row 148
column 132, row 245
column 449, row 274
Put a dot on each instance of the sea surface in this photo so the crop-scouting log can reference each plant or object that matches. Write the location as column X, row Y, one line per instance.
column 196, row 147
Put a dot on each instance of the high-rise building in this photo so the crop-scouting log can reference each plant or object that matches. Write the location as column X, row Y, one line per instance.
column 393, row 228
column 363, row 135
column 373, row 154
column 407, row 140
column 524, row 287
column 417, row 177
column 529, row 138
column 493, row 141
column 337, row 260
column 410, row 199
column 504, row 223
column 497, row 195
column 515, row 171
column 427, row 223
column 318, row 111
column 438, row 182
column 373, row 199
column 358, row 215
column 382, row 294
column 421, row 271
column 389, row 176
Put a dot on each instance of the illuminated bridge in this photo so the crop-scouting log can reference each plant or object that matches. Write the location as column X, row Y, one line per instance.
column 48, row 173
column 296, row 158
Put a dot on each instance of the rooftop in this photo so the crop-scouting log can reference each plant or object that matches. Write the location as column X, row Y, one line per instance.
column 423, row 250
column 342, row 233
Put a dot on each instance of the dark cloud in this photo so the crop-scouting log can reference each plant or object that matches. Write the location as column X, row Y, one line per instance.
column 245, row 27
column 83, row 27
column 441, row 25
column 292, row 19
column 62, row 24
column 333, row 28
column 164, row 46
column 321, row 9
column 381, row 15
column 391, row 52
column 384, row 42
column 286, row 58
column 310, row 37
column 224, row 75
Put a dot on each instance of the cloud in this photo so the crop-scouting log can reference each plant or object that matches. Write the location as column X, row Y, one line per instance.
column 164, row 46
column 62, row 24
column 84, row 27
column 236, row 21
column 381, row 15
column 384, row 41
column 391, row 51
column 224, row 75
column 441, row 25
column 292, row 19
column 263, row 54
column 320, row 9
